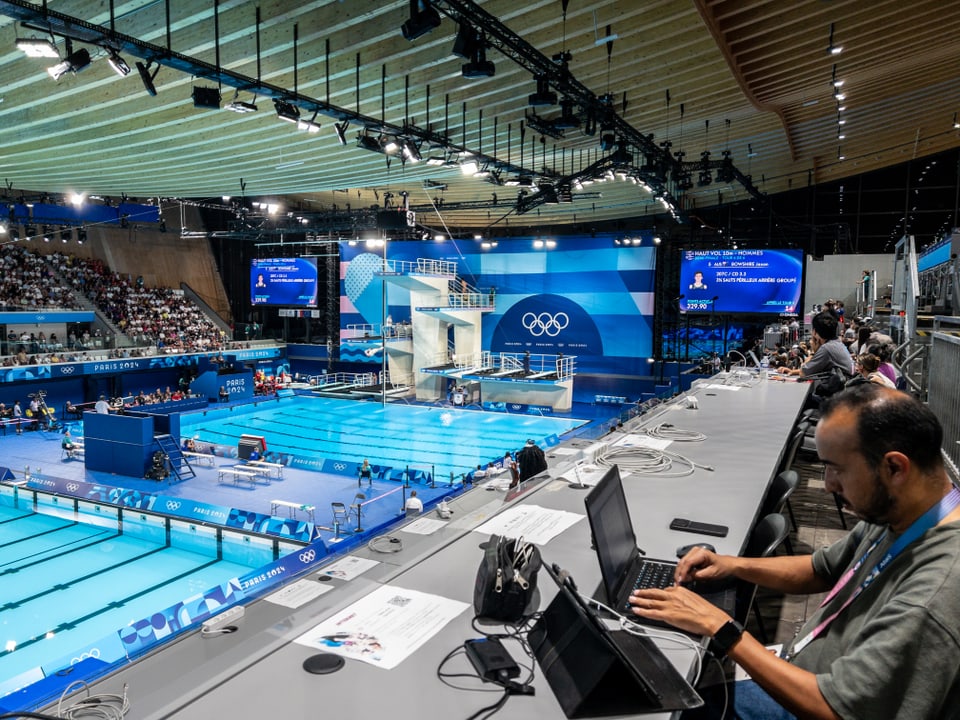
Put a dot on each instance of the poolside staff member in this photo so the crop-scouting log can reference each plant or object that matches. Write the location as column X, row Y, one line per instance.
column 365, row 473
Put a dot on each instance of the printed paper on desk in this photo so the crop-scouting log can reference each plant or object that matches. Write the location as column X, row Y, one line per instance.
column 349, row 567
column 299, row 593
column 530, row 522
column 385, row 627
column 718, row 386
column 424, row 526
column 643, row 441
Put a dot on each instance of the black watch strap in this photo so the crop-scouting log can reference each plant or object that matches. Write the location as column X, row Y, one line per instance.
column 725, row 638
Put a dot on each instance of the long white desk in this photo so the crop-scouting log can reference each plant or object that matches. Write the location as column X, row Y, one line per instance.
column 256, row 672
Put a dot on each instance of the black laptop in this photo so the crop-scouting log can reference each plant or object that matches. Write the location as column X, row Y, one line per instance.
column 595, row 671
column 623, row 566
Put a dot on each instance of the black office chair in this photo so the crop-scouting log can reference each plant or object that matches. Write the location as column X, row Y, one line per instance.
column 778, row 497
column 796, row 440
column 802, row 443
column 768, row 534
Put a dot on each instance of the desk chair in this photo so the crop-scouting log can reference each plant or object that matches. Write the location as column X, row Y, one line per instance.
column 340, row 516
column 768, row 534
column 778, row 497
column 801, row 442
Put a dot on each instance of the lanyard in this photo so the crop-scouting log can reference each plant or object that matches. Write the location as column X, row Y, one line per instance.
column 929, row 519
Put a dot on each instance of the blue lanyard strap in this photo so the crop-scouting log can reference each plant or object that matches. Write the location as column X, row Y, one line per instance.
column 931, row 518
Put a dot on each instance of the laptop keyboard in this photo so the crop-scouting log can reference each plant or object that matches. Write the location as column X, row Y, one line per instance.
column 654, row 574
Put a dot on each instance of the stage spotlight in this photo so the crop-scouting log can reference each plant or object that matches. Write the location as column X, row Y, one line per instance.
column 288, row 112
column 368, row 143
column 465, row 41
column 239, row 106
column 75, row 62
column 37, row 47
column 147, row 77
column 411, row 152
column 543, row 95
column 423, row 19
column 479, row 66
column 118, row 64
column 206, row 97
column 311, row 125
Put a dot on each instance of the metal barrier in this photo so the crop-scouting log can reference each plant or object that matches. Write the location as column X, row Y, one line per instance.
column 944, row 368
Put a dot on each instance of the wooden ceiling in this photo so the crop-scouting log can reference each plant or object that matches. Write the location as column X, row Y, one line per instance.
column 753, row 77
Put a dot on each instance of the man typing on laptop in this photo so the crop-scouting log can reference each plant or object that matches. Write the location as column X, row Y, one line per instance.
column 885, row 642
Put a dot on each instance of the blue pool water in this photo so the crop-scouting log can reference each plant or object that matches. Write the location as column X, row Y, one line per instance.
column 395, row 435
column 69, row 578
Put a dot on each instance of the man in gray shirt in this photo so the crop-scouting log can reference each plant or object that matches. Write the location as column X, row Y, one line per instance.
column 829, row 351
column 885, row 643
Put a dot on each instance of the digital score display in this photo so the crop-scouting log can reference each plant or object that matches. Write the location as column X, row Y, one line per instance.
column 741, row 281
column 284, row 281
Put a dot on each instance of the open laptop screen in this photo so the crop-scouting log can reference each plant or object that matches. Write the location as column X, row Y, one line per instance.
column 612, row 530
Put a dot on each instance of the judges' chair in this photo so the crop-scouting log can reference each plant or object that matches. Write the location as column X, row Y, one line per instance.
column 357, row 507
column 768, row 534
column 340, row 517
column 778, row 497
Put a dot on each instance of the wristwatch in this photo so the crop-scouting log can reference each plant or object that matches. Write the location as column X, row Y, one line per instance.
column 725, row 638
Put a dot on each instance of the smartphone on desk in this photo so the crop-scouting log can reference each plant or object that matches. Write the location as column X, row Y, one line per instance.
column 699, row 528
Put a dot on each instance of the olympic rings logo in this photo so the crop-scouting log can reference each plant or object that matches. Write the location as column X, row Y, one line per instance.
column 72, row 487
column 173, row 505
column 67, row 370
column 339, row 467
column 545, row 323
column 308, row 557
column 95, row 653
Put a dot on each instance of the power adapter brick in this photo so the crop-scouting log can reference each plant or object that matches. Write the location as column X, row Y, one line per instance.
column 491, row 660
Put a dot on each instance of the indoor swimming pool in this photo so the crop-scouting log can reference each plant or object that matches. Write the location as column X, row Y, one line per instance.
column 394, row 435
column 83, row 580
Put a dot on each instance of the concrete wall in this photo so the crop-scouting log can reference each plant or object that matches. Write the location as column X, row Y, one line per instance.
column 837, row 276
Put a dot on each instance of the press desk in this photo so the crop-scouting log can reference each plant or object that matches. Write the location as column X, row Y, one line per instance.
column 257, row 671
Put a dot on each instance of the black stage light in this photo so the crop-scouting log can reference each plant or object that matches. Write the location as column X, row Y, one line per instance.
column 465, row 41
column 369, row 143
column 286, row 111
column 206, row 97
column 146, row 77
column 423, row 19
column 74, row 62
column 543, row 96
column 479, row 66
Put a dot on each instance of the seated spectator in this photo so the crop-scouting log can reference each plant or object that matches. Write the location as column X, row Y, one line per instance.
column 869, row 367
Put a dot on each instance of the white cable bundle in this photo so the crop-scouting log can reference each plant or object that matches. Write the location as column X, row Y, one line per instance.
column 649, row 461
column 666, row 431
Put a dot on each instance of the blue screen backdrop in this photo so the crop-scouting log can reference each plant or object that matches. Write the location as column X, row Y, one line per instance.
column 588, row 296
